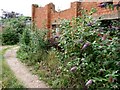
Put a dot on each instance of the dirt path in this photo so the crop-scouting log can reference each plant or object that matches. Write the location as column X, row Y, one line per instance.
column 21, row 72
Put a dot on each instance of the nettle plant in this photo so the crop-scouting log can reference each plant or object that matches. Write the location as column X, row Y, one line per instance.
column 90, row 54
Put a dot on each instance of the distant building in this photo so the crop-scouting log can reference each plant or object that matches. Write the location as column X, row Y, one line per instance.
column 48, row 17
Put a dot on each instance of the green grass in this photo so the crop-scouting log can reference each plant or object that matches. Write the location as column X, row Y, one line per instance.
column 47, row 70
column 8, row 78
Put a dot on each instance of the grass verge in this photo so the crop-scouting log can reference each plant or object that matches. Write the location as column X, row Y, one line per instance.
column 48, row 70
column 7, row 76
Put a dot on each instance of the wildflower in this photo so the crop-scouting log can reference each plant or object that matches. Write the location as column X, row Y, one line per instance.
column 89, row 24
column 89, row 83
column 73, row 69
column 86, row 45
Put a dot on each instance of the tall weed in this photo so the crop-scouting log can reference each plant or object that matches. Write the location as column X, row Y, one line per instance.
column 32, row 46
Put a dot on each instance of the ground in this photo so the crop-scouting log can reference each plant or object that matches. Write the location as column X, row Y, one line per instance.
column 21, row 71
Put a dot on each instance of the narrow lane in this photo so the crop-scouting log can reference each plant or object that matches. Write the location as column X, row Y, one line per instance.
column 22, row 72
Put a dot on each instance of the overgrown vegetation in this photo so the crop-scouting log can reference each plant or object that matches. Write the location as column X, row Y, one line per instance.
column 12, row 25
column 33, row 46
column 88, row 56
column 89, row 59
column 12, row 30
column 91, row 53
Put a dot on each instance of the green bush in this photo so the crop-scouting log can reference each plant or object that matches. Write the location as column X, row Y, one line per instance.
column 90, row 55
column 90, row 58
column 12, row 30
column 32, row 46
column 9, row 37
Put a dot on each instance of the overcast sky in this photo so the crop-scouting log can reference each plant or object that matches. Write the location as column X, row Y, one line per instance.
column 24, row 6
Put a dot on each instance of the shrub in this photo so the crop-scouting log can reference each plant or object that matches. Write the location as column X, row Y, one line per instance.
column 90, row 55
column 12, row 30
column 32, row 46
column 9, row 37
column 89, row 58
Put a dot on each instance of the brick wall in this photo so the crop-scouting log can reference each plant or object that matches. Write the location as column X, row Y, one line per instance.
column 45, row 16
column 39, row 16
column 100, row 11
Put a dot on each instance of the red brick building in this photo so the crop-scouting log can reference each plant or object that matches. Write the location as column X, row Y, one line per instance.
column 48, row 17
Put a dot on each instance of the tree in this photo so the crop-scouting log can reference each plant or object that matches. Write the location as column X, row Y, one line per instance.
column 12, row 14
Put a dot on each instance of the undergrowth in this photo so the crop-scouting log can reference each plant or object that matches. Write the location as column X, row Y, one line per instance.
column 89, row 59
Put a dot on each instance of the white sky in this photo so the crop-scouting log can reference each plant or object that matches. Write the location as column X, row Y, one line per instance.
column 24, row 6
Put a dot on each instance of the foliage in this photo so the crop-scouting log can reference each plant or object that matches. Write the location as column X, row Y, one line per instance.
column 109, row 5
column 90, row 54
column 13, row 25
column 48, row 69
column 12, row 29
column 12, row 14
column 89, row 59
column 33, row 46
